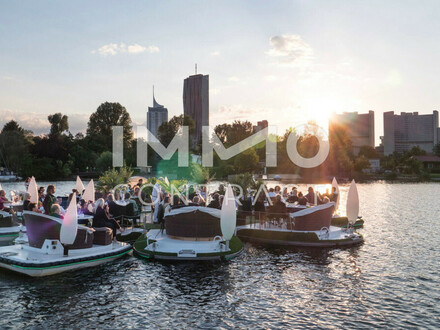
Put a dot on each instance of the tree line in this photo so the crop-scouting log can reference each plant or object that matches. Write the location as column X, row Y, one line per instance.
column 59, row 154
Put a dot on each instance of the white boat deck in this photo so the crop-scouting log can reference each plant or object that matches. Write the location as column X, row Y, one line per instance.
column 27, row 254
column 334, row 233
column 13, row 229
column 166, row 244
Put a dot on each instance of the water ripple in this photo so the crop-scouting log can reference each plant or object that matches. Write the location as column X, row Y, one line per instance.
column 390, row 281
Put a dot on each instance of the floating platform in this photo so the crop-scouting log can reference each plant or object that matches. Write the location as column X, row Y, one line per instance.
column 158, row 245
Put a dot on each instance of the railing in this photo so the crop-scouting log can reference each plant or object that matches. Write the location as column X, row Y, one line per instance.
column 265, row 220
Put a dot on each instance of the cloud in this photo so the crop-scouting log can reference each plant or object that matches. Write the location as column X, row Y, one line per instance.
column 291, row 49
column 215, row 53
column 228, row 113
column 233, row 78
column 135, row 49
column 114, row 49
column 37, row 122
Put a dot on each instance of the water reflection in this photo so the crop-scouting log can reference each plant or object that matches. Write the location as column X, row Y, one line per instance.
column 389, row 281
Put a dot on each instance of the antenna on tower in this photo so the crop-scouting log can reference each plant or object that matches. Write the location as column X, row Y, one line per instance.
column 196, row 68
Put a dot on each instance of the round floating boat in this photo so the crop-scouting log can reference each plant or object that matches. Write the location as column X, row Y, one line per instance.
column 306, row 228
column 45, row 255
column 190, row 233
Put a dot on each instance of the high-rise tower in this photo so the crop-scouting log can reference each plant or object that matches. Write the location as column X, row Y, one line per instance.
column 196, row 103
column 156, row 115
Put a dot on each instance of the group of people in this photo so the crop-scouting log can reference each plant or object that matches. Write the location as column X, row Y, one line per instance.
column 275, row 199
column 104, row 210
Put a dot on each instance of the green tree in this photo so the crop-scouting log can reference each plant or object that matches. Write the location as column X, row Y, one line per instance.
column 58, row 124
column 14, row 146
column 230, row 134
column 368, row 152
column 12, row 126
column 415, row 151
column 99, row 127
column 104, row 161
column 168, row 130
column 247, row 161
column 361, row 163
column 111, row 178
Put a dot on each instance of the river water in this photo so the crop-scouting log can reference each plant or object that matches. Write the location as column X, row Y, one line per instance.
column 392, row 280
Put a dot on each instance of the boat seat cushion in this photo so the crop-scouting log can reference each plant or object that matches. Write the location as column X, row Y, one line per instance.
column 6, row 221
column 194, row 224
column 102, row 236
column 313, row 218
column 83, row 240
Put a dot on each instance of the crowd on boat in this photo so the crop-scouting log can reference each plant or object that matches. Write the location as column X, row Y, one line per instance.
column 107, row 208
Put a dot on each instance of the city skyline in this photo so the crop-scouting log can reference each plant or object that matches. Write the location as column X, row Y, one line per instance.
column 313, row 60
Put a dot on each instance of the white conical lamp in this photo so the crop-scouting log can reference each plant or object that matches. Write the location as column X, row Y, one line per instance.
column 335, row 185
column 228, row 219
column 69, row 226
column 89, row 193
column 352, row 203
column 33, row 191
column 79, row 185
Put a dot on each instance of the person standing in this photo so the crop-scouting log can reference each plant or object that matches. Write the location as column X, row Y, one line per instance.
column 155, row 196
column 50, row 199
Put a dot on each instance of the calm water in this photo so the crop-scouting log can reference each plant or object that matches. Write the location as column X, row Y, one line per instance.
column 390, row 281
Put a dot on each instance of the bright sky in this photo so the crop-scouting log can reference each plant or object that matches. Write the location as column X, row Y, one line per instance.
column 284, row 61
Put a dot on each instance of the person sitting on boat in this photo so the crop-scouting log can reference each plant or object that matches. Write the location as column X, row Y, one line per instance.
column 215, row 201
column 334, row 195
column 41, row 195
column 113, row 208
column 221, row 190
column 26, row 201
column 302, row 202
column 196, row 201
column 50, row 199
column 311, row 197
column 33, row 207
column 177, row 203
column 293, row 196
column 55, row 211
column 202, row 192
column 84, row 207
column 3, row 199
column 202, row 201
column 27, row 182
column 278, row 206
column 130, row 201
column 272, row 194
column 102, row 218
column 325, row 200
column 259, row 204
column 246, row 204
